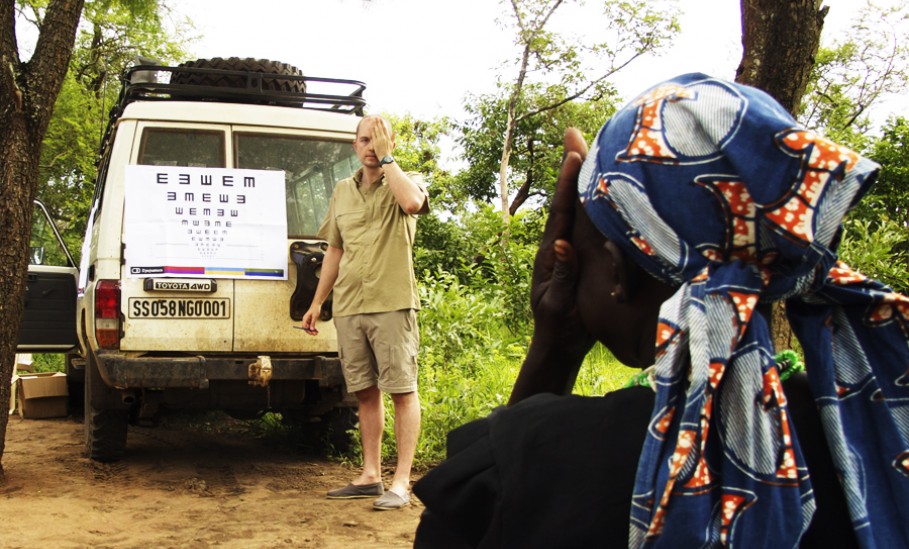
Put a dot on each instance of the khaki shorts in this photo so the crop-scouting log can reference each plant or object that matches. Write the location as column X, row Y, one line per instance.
column 379, row 349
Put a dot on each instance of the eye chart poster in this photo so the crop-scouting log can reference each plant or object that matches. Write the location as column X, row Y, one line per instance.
column 205, row 222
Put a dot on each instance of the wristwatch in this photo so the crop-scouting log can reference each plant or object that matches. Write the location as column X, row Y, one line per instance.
column 387, row 159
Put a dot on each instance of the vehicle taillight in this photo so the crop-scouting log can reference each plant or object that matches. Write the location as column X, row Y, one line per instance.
column 107, row 314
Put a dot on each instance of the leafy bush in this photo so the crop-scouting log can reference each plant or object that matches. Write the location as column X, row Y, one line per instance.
column 459, row 325
column 475, row 324
column 877, row 249
column 468, row 358
column 48, row 362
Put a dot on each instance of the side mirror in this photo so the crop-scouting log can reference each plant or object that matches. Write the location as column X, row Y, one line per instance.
column 36, row 255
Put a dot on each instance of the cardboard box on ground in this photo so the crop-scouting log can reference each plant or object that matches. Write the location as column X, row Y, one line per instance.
column 39, row 395
column 23, row 363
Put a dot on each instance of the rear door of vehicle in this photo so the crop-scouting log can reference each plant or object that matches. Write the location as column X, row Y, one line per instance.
column 312, row 164
column 49, row 318
column 174, row 314
column 233, row 315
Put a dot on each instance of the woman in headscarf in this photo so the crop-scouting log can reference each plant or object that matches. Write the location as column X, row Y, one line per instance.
column 701, row 202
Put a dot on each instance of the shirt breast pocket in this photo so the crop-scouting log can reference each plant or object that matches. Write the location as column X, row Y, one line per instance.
column 350, row 224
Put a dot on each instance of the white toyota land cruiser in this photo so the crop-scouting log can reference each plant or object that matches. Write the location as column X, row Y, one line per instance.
column 201, row 252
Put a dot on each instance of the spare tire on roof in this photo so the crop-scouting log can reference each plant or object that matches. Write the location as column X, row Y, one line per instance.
column 228, row 80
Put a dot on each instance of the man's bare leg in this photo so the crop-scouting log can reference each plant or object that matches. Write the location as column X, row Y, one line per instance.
column 407, row 432
column 372, row 424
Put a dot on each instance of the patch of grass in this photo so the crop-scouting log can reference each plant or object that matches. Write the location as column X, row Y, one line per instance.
column 601, row 373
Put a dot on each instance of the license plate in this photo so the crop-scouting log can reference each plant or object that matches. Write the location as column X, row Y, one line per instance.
column 140, row 307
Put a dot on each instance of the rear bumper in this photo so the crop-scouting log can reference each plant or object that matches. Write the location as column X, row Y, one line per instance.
column 196, row 372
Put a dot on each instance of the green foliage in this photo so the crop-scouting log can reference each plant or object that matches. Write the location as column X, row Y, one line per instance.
column 537, row 144
column 876, row 240
column 506, row 264
column 878, row 249
column 440, row 246
column 891, row 190
column 480, row 250
column 48, row 362
column 513, row 136
column 847, row 78
column 601, row 373
column 456, row 319
column 417, row 144
column 111, row 34
column 489, row 258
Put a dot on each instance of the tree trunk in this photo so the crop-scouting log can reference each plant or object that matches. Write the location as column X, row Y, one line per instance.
column 523, row 192
column 28, row 92
column 506, row 158
column 509, row 133
column 780, row 39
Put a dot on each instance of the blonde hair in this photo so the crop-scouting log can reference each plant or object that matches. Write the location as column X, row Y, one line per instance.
column 380, row 117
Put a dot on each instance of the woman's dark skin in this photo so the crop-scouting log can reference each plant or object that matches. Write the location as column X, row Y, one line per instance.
column 584, row 290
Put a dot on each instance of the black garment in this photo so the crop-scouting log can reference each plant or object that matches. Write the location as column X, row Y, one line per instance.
column 558, row 472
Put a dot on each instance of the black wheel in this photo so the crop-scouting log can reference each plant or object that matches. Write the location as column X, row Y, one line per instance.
column 336, row 426
column 75, row 383
column 265, row 66
column 330, row 431
column 105, row 426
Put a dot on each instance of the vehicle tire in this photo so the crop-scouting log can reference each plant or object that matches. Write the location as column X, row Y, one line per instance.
column 105, row 429
column 326, row 433
column 237, row 81
column 75, row 384
column 336, row 426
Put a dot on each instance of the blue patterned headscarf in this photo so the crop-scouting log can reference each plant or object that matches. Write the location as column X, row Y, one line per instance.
column 712, row 186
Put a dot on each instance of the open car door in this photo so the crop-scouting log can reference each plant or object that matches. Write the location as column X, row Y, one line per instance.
column 49, row 319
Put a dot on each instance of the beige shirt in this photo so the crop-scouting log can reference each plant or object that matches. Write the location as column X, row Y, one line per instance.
column 376, row 271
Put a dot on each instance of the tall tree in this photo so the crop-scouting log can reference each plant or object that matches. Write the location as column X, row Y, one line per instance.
column 51, row 121
column 630, row 30
column 110, row 38
column 28, row 91
column 859, row 69
column 536, row 143
column 780, row 39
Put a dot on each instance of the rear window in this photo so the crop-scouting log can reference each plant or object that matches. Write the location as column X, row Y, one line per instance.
column 311, row 166
column 182, row 147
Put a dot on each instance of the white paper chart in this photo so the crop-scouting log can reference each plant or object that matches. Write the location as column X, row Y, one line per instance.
column 205, row 222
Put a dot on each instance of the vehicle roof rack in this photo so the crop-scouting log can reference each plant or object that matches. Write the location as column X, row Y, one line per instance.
column 147, row 83
column 152, row 82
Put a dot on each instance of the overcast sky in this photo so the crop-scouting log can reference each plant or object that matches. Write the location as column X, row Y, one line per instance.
column 424, row 56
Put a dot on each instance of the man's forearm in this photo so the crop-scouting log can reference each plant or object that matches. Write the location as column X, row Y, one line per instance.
column 410, row 196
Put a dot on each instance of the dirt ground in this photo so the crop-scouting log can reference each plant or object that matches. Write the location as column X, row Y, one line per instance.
column 183, row 484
